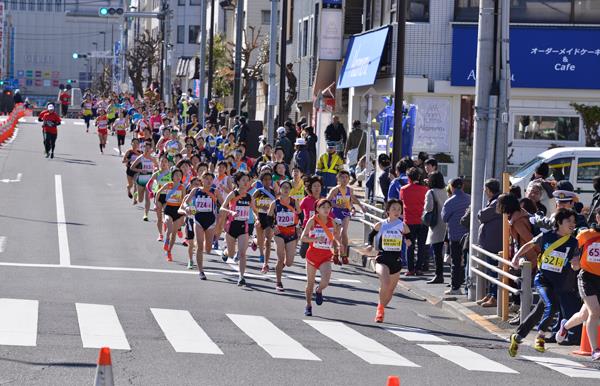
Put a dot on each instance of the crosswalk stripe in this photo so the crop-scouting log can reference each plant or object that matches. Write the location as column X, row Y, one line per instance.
column 567, row 367
column 273, row 340
column 415, row 335
column 182, row 331
column 467, row 359
column 365, row 348
column 18, row 322
column 100, row 327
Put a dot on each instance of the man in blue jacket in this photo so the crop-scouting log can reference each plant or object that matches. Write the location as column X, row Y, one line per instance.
column 453, row 210
column 302, row 157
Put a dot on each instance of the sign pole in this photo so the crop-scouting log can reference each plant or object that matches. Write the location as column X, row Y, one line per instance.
column 399, row 83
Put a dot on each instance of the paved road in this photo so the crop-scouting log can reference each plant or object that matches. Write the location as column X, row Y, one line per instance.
column 98, row 277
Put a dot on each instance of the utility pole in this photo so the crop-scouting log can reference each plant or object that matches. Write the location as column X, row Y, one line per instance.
column 237, row 83
column 272, row 76
column 202, row 70
column 399, row 82
column 168, row 59
column 282, row 62
column 484, row 72
column 211, row 44
column 505, row 85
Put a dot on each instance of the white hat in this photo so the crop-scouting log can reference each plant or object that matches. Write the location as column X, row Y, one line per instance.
column 50, row 106
column 281, row 130
column 300, row 142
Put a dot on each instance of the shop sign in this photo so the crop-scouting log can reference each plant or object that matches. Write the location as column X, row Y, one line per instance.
column 432, row 130
column 332, row 34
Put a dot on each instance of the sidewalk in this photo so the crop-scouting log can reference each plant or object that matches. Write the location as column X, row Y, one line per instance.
column 459, row 305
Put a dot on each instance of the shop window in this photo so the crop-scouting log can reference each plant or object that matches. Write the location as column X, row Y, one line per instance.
column 560, row 168
column 546, row 128
column 417, row 10
column 180, row 34
column 587, row 169
column 265, row 17
column 195, row 2
column 193, row 34
column 586, row 11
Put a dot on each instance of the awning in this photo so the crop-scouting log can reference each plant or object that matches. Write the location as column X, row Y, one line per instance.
column 183, row 66
column 362, row 58
column 325, row 77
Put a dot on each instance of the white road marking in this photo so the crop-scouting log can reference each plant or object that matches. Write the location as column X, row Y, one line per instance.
column 79, row 123
column 274, row 341
column 116, row 149
column 567, row 367
column 184, row 334
column 19, row 322
column 415, row 334
column 2, row 243
column 364, row 347
column 63, row 239
column 8, row 180
column 100, row 327
column 467, row 359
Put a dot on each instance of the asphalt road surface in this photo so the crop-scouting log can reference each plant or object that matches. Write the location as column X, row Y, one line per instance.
column 80, row 270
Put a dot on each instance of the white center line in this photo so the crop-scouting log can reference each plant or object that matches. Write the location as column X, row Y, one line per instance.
column 63, row 239
column 78, row 123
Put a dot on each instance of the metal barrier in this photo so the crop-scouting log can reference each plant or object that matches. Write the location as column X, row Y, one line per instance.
column 522, row 283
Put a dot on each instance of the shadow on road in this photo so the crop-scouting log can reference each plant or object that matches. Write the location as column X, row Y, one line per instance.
column 37, row 220
column 51, row 364
column 76, row 161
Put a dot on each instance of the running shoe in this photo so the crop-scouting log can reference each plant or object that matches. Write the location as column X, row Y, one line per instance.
column 379, row 314
column 241, row 282
column 202, row 275
column 180, row 234
column 540, row 344
column 47, row 154
column 145, row 218
column 160, row 238
column 514, row 345
column 236, row 258
column 318, row 297
column 216, row 245
column 345, row 260
column 336, row 260
column 129, row 195
column 561, row 335
column 169, row 256
column 596, row 355
column 224, row 256
column 265, row 269
column 184, row 243
column 410, row 273
column 261, row 259
column 307, row 311
column 279, row 286
column 166, row 246
column 190, row 265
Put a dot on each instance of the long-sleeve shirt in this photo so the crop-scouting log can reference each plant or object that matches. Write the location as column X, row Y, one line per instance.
column 394, row 189
column 452, row 211
column 413, row 197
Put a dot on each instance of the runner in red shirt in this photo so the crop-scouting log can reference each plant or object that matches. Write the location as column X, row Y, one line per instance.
column 65, row 101
column 50, row 121
column 102, row 127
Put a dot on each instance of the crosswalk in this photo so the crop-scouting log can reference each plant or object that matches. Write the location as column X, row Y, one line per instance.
column 99, row 326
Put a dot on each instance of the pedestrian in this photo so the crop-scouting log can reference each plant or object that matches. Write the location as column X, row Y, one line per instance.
column 356, row 147
column 301, row 159
column 452, row 211
column 335, row 132
column 18, row 98
column 490, row 235
column 412, row 196
column 595, row 200
column 50, row 121
column 65, row 100
column 284, row 142
column 434, row 201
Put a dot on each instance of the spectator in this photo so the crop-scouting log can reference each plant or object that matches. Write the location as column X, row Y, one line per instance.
column 516, row 191
column 311, row 146
column 18, row 97
column 412, row 196
column 328, row 167
column 431, row 165
column 452, row 211
column 534, row 193
column 212, row 115
column 528, row 205
column 335, row 132
column 356, row 147
column 301, row 157
column 595, row 200
column 401, row 167
column 434, row 201
column 490, row 235
column 284, row 142
column 243, row 132
column 290, row 131
column 540, row 176
column 383, row 162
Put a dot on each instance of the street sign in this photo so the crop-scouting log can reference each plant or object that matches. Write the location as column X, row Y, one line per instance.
column 101, row 54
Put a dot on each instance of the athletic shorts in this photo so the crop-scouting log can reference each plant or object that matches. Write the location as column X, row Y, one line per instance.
column 189, row 228
column 103, row 131
column 129, row 172
column 391, row 260
column 155, row 138
column 288, row 237
column 162, row 198
column 250, row 229
column 236, row 229
column 589, row 284
column 173, row 212
column 317, row 257
column 142, row 179
column 341, row 213
column 265, row 220
column 121, row 139
column 206, row 220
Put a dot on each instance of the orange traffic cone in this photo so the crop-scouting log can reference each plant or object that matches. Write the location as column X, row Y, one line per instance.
column 104, row 375
column 584, row 346
column 393, row 381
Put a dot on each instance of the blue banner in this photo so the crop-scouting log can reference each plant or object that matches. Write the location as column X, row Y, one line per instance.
column 540, row 57
column 362, row 59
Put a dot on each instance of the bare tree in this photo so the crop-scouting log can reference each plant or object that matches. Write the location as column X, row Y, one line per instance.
column 143, row 56
column 253, row 71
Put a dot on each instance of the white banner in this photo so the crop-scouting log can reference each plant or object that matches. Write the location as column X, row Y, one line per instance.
column 434, row 123
column 331, row 34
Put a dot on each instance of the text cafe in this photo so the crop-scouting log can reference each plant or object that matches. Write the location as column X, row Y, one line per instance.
column 551, row 68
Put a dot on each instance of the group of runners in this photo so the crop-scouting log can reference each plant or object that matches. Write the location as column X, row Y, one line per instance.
column 201, row 184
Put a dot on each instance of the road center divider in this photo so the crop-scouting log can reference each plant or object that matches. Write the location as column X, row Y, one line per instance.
column 7, row 128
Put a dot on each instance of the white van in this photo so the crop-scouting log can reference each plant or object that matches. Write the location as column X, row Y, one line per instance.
column 576, row 164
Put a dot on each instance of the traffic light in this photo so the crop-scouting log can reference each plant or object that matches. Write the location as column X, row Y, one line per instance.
column 1, row 83
column 106, row 11
column 71, row 81
column 77, row 55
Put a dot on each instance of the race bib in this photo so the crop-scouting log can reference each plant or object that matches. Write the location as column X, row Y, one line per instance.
column 204, row 204
column 285, row 219
column 263, row 204
column 391, row 241
column 319, row 234
column 593, row 253
column 176, row 197
column 242, row 213
column 554, row 262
